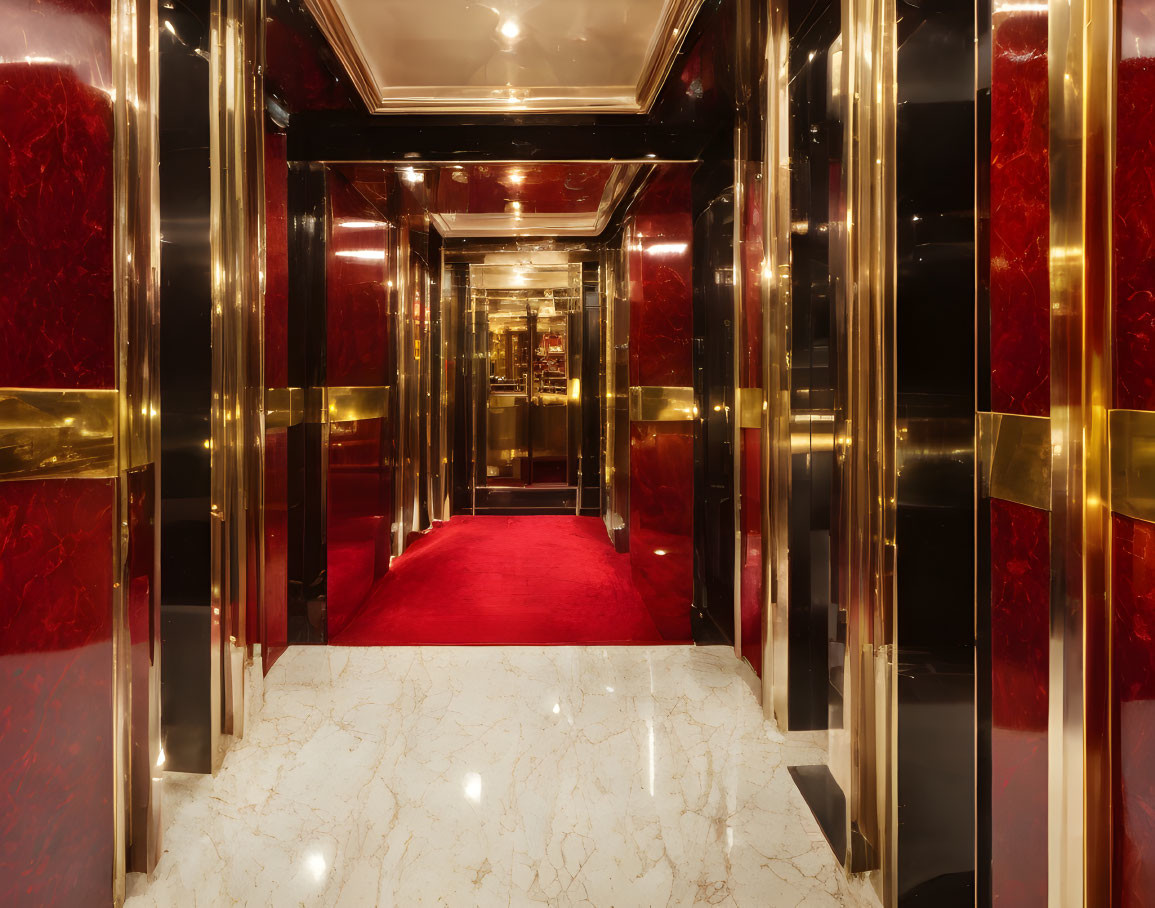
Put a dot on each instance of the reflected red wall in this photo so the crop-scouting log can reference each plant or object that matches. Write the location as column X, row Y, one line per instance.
column 1133, row 550
column 1020, row 216
column 1020, row 644
column 357, row 351
column 750, row 376
column 274, row 612
column 662, row 453
column 56, row 548
column 56, row 535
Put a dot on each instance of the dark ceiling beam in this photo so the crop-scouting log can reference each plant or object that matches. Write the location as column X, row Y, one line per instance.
column 345, row 136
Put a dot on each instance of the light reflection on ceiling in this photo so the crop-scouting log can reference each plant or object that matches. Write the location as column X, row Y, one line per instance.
column 506, row 55
column 505, row 199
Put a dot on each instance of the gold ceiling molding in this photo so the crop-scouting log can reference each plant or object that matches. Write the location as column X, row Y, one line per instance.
column 1132, row 445
column 617, row 64
column 1015, row 458
column 58, row 433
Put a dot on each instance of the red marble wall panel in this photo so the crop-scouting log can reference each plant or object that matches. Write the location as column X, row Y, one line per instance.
column 662, row 522
column 295, row 74
column 662, row 454
column 56, row 218
column 1020, row 643
column 358, row 301
column 56, row 557
column 661, row 315
column 1134, row 227
column 1133, row 657
column 1020, row 216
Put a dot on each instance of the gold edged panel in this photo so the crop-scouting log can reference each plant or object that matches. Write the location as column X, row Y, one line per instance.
column 351, row 403
column 670, row 31
column 58, row 433
column 284, row 407
column 750, row 404
column 1132, row 458
column 655, row 403
column 1015, row 458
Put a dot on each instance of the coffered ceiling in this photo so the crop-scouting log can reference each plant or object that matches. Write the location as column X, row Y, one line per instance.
column 506, row 55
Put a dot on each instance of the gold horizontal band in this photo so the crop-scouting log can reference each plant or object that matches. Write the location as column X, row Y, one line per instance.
column 284, row 407
column 750, row 405
column 350, row 403
column 1132, row 447
column 62, row 433
column 1015, row 458
column 661, row 404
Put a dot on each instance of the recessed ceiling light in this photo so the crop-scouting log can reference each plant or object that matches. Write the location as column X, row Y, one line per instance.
column 510, row 29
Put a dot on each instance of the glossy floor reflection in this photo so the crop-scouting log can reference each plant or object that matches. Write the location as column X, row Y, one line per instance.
column 619, row 776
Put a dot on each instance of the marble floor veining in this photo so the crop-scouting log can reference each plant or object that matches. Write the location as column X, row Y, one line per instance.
column 602, row 776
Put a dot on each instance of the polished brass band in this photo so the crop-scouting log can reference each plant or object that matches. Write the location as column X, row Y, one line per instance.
column 60, row 433
column 1132, row 440
column 750, row 404
column 284, row 407
column 351, row 403
column 1015, row 458
column 653, row 403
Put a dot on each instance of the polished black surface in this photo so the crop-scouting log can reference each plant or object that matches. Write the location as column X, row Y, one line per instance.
column 457, row 276
column 186, row 385
column 935, row 396
column 307, row 552
column 712, row 193
column 592, row 402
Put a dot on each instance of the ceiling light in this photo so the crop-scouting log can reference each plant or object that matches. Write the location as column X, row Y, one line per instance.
column 510, row 29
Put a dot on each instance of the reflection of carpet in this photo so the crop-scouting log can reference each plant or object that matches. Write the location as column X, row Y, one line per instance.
column 492, row 580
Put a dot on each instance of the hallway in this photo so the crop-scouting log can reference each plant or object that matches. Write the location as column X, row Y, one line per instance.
column 505, row 580
column 482, row 776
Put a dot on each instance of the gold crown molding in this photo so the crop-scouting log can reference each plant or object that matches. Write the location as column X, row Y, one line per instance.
column 58, row 433
column 1015, row 458
column 1132, row 456
column 675, row 21
column 661, row 404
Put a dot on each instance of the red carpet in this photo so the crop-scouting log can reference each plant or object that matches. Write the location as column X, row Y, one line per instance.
column 512, row 580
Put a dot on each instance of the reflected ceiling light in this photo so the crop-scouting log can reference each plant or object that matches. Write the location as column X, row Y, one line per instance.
column 360, row 225
column 472, row 787
column 666, row 248
column 510, row 29
column 409, row 175
column 516, row 176
column 365, row 255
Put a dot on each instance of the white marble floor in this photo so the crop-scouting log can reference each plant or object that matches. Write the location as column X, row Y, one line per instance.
column 610, row 777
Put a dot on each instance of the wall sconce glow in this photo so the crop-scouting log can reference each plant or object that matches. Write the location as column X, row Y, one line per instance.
column 667, row 248
column 473, row 787
column 510, row 29
column 659, row 551
column 365, row 255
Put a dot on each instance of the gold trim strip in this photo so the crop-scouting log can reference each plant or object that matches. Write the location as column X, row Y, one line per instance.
column 750, row 405
column 1132, row 458
column 654, row 403
column 284, row 407
column 1015, row 458
column 60, row 433
column 351, row 403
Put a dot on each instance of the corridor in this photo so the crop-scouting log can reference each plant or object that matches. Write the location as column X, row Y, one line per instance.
column 619, row 776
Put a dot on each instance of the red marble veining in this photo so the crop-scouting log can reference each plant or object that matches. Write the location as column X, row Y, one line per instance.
column 1134, row 235
column 662, row 522
column 1020, row 216
column 359, row 502
column 275, row 635
column 548, row 188
column 1020, row 642
column 276, row 262
column 358, row 302
column 56, row 300
column 660, row 255
column 295, row 74
column 56, row 556
column 1133, row 657
column 141, row 568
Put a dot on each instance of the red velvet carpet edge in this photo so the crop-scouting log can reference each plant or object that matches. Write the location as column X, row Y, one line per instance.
column 505, row 580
